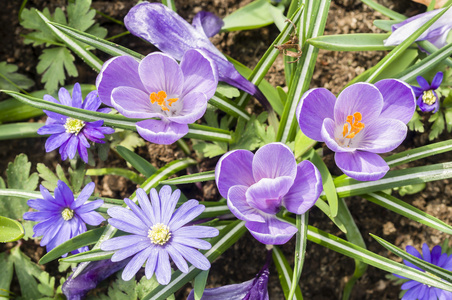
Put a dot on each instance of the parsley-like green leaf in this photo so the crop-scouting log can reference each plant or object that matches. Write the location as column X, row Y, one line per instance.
column 416, row 123
column 438, row 125
column 52, row 64
column 10, row 80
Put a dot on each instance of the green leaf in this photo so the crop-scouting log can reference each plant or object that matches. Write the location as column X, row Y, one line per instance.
column 339, row 245
column 411, row 189
column 18, row 177
column 11, row 80
column 384, row 10
column 131, row 175
column 200, row 284
column 351, row 42
column 42, row 34
column 415, row 123
column 198, row 177
column 50, row 179
column 227, row 91
column 52, row 64
column 254, row 15
column 19, row 130
column 300, row 251
column 11, row 230
column 6, row 265
column 302, row 144
column 402, row 208
column 438, row 125
column 139, row 163
column 128, row 139
column 284, row 273
column 424, row 265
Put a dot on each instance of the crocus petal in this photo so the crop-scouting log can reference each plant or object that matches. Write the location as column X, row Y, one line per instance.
column 409, row 26
column 162, row 27
column 381, row 136
column 234, row 168
column 117, row 71
column 399, row 100
column 362, row 166
column 273, row 232
column 315, row 106
column 266, row 195
column 193, row 64
column 360, row 97
column 239, row 206
column 207, row 23
column 329, row 132
column 134, row 103
column 305, row 190
column 193, row 108
column 274, row 160
column 161, row 132
column 161, row 72
column 232, row 291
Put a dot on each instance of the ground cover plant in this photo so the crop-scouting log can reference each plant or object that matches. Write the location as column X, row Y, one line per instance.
column 298, row 150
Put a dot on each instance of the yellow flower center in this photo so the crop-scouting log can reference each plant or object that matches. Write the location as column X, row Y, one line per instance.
column 67, row 214
column 161, row 100
column 159, row 234
column 73, row 125
column 429, row 97
column 352, row 125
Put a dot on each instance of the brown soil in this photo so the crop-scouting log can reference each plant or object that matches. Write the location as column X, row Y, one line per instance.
column 325, row 272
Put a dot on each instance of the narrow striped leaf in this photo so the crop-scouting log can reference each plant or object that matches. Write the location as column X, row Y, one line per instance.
column 339, row 245
column 384, row 10
column 430, row 48
column 19, row 130
column 425, row 65
column 170, row 4
column 131, row 175
column 85, row 239
column 351, row 42
column 418, row 153
column 108, row 47
column 303, row 74
column 398, row 50
column 407, row 210
column 76, row 47
column 228, row 106
column 428, row 267
column 268, row 58
column 300, row 251
column 385, row 25
column 198, row 177
column 139, row 163
column 327, row 211
column 227, row 237
column 195, row 130
column 88, row 256
column 350, row 187
column 284, row 272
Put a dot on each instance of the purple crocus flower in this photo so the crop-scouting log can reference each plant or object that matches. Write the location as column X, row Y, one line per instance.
column 165, row 29
column 70, row 134
column 420, row 291
column 365, row 119
column 61, row 217
column 435, row 34
column 157, row 233
column 207, row 23
column 95, row 272
column 158, row 87
column 256, row 187
column 427, row 99
column 254, row 289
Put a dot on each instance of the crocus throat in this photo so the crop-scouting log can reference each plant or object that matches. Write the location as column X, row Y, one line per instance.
column 74, row 125
column 352, row 125
column 161, row 100
column 67, row 214
column 429, row 97
column 159, row 234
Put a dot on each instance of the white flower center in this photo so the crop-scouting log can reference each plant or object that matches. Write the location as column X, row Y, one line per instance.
column 73, row 125
column 67, row 214
column 429, row 97
column 159, row 234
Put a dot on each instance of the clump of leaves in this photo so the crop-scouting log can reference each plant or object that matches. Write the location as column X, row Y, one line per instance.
column 54, row 61
column 11, row 80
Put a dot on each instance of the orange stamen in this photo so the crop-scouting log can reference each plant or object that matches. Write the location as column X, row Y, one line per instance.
column 161, row 100
column 355, row 125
